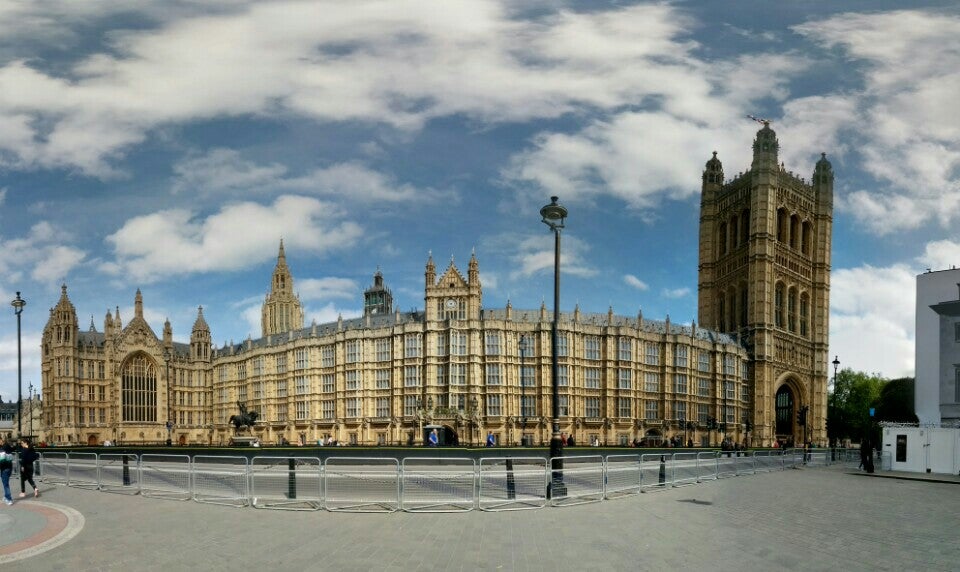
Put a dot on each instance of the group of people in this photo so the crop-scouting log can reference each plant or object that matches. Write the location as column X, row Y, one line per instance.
column 27, row 459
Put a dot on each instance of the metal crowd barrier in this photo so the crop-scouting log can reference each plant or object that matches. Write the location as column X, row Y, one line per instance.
column 286, row 483
column 165, row 476
column 358, row 484
column 220, row 480
column 581, row 481
column 655, row 472
column 623, row 475
column 512, row 483
column 416, row 484
column 437, row 484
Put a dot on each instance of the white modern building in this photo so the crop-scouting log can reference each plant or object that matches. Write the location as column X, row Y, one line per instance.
column 933, row 446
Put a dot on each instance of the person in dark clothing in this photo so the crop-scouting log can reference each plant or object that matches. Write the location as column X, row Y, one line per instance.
column 27, row 458
column 866, row 455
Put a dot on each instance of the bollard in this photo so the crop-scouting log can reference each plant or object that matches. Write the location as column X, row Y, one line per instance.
column 663, row 470
column 291, row 478
column 511, row 486
column 126, row 472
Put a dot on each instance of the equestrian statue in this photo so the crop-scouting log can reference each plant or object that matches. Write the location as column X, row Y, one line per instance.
column 244, row 419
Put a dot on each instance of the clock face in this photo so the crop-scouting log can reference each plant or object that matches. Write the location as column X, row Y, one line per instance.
column 451, row 303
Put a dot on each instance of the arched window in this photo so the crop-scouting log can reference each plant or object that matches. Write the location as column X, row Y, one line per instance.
column 806, row 237
column 721, row 313
column 745, row 226
column 795, row 232
column 139, row 389
column 743, row 305
column 804, row 314
column 782, row 225
column 722, row 238
column 778, row 305
column 792, row 310
column 732, row 301
column 734, row 235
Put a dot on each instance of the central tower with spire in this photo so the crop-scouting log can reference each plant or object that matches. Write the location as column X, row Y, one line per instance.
column 282, row 311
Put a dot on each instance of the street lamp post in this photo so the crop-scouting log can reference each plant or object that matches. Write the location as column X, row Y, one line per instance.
column 18, row 303
column 166, row 359
column 553, row 215
column 31, row 410
column 523, row 364
column 836, row 365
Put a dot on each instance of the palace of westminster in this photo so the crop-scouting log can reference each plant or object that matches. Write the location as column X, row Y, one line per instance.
column 756, row 356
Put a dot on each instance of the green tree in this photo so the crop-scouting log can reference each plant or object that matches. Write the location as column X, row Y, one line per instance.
column 848, row 406
column 896, row 401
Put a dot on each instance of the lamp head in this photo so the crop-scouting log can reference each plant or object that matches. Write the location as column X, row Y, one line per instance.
column 553, row 214
column 18, row 303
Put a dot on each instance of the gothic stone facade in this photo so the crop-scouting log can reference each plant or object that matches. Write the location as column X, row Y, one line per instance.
column 386, row 377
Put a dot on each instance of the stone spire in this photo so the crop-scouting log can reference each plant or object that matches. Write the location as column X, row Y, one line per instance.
column 282, row 311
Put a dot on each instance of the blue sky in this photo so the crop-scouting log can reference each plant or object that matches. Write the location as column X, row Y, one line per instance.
column 168, row 146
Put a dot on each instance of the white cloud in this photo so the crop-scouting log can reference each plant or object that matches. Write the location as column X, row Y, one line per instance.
column 905, row 115
column 534, row 254
column 399, row 63
column 223, row 171
column 330, row 313
column 941, row 254
column 675, row 292
column 176, row 242
column 327, row 288
column 42, row 254
column 872, row 321
column 633, row 281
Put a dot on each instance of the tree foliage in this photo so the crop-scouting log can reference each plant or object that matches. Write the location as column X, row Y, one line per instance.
column 855, row 393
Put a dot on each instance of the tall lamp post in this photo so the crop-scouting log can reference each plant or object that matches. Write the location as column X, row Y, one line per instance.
column 523, row 365
column 18, row 303
column 836, row 365
column 553, row 215
column 166, row 359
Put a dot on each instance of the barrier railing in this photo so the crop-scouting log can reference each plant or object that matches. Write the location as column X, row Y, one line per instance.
column 655, row 472
column 437, row 484
column 119, row 473
column 220, row 480
column 53, row 468
column 623, row 475
column 359, row 484
column 512, row 483
column 685, row 469
column 83, row 470
column 415, row 484
column 581, row 481
column 287, row 483
column 165, row 476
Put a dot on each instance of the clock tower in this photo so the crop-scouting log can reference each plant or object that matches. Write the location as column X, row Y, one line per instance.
column 451, row 297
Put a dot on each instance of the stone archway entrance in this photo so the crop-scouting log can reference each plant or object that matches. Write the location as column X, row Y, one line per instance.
column 653, row 438
column 182, row 440
column 785, row 406
column 91, row 440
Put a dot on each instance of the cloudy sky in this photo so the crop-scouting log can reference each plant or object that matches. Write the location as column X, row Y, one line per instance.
column 169, row 145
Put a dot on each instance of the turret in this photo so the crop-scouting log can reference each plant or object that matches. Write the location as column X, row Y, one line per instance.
column 473, row 271
column 282, row 311
column 430, row 275
column 200, row 338
column 62, row 327
column 765, row 150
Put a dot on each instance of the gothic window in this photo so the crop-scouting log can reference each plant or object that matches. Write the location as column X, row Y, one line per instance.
column 743, row 306
column 732, row 309
column 778, row 305
column 792, row 310
column 139, row 390
column 795, row 232
column 734, row 235
column 805, row 238
column 784, row 408
column 722, row 313
column 722, row 239
column 804, row 314
column 782, row 225
column 744, row 226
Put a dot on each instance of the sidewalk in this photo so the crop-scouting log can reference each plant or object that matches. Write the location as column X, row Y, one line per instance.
column 911, row 476
column 805, row 519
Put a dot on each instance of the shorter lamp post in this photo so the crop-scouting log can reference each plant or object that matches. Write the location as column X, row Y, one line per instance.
column 18, row 303
column 166, row 359
column 31, row 410
column 473, row 419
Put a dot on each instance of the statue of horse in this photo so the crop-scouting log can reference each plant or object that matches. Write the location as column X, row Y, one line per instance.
column 244, row 419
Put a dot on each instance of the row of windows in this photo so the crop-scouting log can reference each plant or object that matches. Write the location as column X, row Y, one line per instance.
column 455, row 343
column 624, row 407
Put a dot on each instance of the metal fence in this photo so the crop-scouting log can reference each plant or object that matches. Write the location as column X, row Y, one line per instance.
column 413, row 484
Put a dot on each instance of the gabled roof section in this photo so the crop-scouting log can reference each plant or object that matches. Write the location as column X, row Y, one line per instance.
column 452, row 276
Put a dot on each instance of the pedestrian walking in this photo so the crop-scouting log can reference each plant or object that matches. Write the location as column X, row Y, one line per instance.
column 433, row 439
column 27, row 458
column 6, row 467
column 491, row 440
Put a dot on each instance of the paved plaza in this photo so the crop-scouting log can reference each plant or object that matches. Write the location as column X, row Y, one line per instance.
column 804, row 519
